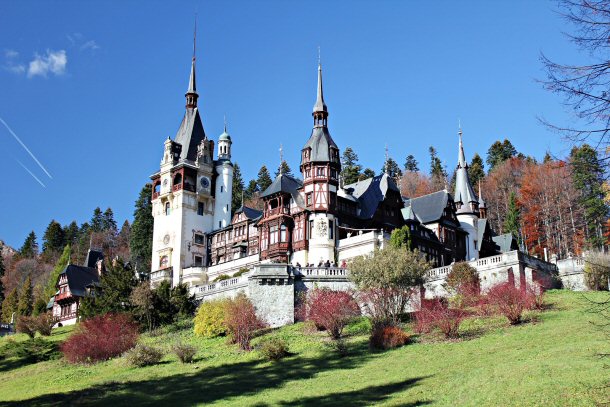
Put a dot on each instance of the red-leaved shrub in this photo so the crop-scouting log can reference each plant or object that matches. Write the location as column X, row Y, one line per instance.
column 101, row 338
column 331, row 310
column 535, row 296
column 241, row 321
column 509, row 300
column 388, row 337
column 436, row 313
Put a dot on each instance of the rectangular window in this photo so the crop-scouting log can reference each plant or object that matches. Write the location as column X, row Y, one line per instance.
column 308, row 198
column 273, row 235
column 331, row 229
column 198, row 261
column 198, row 238
column 200, row 208
column 222, row 189
column 219, row 224
column 310, row 229
column 320, row 171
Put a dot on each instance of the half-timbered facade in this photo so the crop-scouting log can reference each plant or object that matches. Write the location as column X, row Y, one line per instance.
column 74, row 283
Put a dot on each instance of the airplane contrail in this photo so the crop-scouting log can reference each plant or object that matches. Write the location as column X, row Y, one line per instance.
column 31, row 173
column 26, row 149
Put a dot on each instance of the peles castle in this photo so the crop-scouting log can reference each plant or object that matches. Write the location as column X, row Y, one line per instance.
column 306, row 222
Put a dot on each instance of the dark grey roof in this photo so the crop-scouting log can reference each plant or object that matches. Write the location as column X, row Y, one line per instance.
column 320, row 143
column 371, row 192
column 92, row 257
column 320, row 106
column 429, row 208
column 287, row 184
column 249, row 212
column 481, row 226
column 505, row 242
column 190, row 134
column 79, row 278
column 408, row 214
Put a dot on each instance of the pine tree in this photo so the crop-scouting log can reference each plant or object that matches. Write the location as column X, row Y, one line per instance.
column 116, row 285
column 284, row 168
column 53, row 239
column 391, row 168
column 82, row 244
column 2, row 270
column 97, row 220
column 61, row 264
column 30, row 247
column 588, row 178
column 366, row 174
column 547, row 158
column 411, row 164
column 71, row 233
column 26, row 300
column 238, row 188
column 251, row 190
column 438, row 174
column 500, row 152
column 9, row 305
column 140, row 242
column 476, row 170
column 264, row 179
column 108, row 222
column 512, row 221
column 350, row 169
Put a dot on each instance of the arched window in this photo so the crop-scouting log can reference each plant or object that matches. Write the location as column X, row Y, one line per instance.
column 164, row 262
column 167, row 210
column 157, row 188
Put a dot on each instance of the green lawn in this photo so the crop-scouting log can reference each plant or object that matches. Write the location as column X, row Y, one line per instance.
column 549, row 361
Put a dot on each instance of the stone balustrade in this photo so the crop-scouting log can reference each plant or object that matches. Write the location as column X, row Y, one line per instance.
column 321, row 272
column 160, row 275
column 230, row 284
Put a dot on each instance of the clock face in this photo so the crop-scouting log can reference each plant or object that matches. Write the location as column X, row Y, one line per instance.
column 205, row 182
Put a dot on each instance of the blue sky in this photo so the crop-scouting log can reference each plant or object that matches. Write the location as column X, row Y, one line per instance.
column 94, row 88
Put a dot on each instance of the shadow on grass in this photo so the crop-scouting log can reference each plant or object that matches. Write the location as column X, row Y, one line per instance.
column 14, row 354
column 227, row 381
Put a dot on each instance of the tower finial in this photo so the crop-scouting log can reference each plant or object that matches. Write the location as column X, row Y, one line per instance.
column 320, row 111
column 225, row 118
column 319, row 59
column 191, row 93
column 387, row 156
column 195, row 37
column 281, row 159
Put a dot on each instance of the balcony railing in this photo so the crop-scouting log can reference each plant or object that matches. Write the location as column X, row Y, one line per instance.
column 63, row 296
column 160, row 275
column 321, row 271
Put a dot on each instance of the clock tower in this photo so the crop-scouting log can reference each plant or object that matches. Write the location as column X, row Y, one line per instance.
column 184, row 203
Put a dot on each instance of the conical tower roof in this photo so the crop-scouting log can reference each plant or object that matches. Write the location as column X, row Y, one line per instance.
column 464, row 192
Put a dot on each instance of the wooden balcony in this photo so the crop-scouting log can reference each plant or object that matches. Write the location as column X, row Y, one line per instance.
column 63, row 296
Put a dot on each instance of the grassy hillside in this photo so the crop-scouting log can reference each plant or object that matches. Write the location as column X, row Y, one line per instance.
column 549, row 360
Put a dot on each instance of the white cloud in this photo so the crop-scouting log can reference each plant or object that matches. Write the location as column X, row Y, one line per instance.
column 91, row 44
column 10, row 62
column 10, row 54
column 53, row 62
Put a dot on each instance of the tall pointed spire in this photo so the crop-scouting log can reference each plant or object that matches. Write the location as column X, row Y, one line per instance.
column 191, row 93
column 320, row 111
column 461, row 157
column 464, row 194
